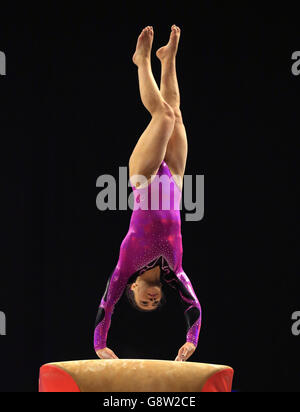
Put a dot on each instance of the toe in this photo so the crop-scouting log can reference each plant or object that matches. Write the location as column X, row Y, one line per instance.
column 175, row 28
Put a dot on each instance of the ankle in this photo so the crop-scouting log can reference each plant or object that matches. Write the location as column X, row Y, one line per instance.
column 143, row 61
column 168, row 59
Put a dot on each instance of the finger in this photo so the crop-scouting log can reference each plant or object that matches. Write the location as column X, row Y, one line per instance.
column 184, row 356
column 113, row 355
column 189, row 354
column 183, row 353
column 180, row 355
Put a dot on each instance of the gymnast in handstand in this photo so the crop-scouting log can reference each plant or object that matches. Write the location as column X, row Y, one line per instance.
column 151, row 252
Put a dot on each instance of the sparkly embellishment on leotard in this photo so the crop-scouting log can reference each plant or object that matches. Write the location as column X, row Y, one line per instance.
column 154, row 238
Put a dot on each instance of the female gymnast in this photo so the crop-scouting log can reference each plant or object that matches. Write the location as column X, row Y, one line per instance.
column 151, row 252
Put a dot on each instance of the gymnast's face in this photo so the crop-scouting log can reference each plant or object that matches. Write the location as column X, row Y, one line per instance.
column 147, row 294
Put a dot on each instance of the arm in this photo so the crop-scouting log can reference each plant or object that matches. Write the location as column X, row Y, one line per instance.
column 114, row 290
column 192, row 313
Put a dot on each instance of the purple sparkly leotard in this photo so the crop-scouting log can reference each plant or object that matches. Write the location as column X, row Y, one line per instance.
column 154, row 239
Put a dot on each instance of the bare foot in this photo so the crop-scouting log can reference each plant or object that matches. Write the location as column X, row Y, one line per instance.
column 170, row 49
column 144, row 46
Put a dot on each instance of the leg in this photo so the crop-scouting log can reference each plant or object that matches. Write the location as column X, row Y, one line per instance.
column 150, row 149
column 176, row 152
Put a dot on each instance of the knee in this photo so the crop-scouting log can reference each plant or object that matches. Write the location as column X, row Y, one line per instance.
column 167, row 112
column 177, row 114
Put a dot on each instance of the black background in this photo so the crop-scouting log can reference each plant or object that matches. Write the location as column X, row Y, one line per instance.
column 70, row 112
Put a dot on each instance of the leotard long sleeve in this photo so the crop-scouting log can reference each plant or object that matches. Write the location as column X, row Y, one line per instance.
column 153, row 239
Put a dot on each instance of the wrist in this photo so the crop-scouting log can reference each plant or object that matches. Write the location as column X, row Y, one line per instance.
column 99, row 348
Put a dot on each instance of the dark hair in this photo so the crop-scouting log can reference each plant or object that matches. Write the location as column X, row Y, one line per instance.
column 131, row 300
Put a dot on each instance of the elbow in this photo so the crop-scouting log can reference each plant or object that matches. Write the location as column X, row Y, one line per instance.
column 193, row 314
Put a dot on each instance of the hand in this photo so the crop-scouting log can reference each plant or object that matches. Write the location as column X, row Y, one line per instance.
column 106, row 353
column 185, row 351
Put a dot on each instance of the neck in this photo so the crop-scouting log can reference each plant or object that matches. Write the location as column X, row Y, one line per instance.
column 152, row 275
